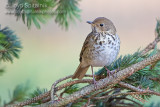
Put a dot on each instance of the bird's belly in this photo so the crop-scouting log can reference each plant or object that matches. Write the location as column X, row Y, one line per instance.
column 102, row 57
column 101, row 52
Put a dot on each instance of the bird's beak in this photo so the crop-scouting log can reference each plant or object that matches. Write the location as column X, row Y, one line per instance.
column 89, row 22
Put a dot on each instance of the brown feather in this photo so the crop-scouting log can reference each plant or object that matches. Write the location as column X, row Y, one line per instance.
column 85, row 45
column 80, row 72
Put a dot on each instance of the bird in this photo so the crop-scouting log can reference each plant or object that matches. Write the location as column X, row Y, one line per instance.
column 100, row 48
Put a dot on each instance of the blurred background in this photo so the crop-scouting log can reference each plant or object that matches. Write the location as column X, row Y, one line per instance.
column 51, row 52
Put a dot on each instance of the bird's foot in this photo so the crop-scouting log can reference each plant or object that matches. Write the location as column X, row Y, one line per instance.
column 95, row 83
column 110, row 73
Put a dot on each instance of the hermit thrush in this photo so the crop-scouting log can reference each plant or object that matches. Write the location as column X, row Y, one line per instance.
column 100, row 48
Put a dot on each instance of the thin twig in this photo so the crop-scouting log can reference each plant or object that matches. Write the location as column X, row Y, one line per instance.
column 92, row 96
column 117, row 94
column 3, row 51
column 155, row 79
column 131, row 87
column 139, row 98
column 150, row 46
column 125, row 98
column 87, row 104
column 54, row 85
column 72, row 83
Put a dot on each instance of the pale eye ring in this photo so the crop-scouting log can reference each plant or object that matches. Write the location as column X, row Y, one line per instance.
column 101, row 25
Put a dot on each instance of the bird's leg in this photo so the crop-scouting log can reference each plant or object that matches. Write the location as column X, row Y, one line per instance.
column 94, row 81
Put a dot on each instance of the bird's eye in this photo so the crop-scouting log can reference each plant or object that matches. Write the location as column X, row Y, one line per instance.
column 101, row 25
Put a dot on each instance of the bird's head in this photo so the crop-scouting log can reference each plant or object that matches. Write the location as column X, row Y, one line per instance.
column 102, row 24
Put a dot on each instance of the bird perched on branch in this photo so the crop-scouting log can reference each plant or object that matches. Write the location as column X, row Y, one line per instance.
column 100, row 48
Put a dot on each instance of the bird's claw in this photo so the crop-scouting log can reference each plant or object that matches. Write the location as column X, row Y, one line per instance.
column 110, row 73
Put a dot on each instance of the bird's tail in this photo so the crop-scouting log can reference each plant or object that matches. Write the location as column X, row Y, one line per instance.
column 80, row 72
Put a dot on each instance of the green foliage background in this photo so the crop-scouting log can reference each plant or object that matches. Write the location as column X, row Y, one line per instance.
column 63, row 11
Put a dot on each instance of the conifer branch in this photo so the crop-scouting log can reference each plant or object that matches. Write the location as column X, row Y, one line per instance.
column 41, row 11
column 10, row 45
column 47, row 95
column 131, row 87
column 121, row 75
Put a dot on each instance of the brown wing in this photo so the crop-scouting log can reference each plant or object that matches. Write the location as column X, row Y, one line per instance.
column 85, row 45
